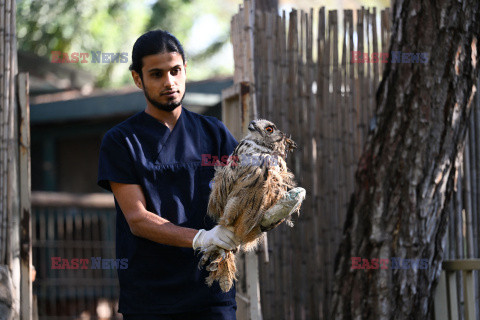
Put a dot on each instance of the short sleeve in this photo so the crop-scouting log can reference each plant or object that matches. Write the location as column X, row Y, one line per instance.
column 115, row 162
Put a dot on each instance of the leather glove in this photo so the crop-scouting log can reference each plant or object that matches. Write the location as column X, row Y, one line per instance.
column 219, row 236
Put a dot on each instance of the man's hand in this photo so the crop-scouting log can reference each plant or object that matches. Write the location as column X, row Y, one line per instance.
column 219, row 236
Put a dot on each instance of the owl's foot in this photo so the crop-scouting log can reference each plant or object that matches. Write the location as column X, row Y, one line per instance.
column 283, row 209
column 208, row 253
column 214, row 254
column 217, row 257
column 225, row 283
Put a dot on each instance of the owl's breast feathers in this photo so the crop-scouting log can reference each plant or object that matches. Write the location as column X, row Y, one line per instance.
column 251, row 182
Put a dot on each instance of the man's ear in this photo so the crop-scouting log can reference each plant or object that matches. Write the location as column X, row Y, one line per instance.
column 185, row 67
column 137, row 79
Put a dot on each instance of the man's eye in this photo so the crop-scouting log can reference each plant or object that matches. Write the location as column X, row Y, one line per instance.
column 175, row 72
column 269, row 129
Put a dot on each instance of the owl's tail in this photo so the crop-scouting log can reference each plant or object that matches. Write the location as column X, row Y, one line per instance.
column 223, row 270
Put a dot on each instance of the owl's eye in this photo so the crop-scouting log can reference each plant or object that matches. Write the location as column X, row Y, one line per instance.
column 269, row 129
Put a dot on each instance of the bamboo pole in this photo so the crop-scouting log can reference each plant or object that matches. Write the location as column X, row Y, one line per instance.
column 320, row 144
column 350, row 81
column 360, row 81
column 260, row 60
column 472, row 130
column 286, row 247
column 459, row 236
column 4, row 141
column 375, row 65
column 467, row 200
column 299, row 126
column 278, row 286
column 312, row 227
column 25, row 196
column 474, row 194
column 335, row 112
column 328, row 232
column 3, row 153
column 476, row 119
column 12, row 188
column 369, row 79
column 330, row 210
column 451, row 232
column 293, row 64
column 342, row 126
column 271, row 75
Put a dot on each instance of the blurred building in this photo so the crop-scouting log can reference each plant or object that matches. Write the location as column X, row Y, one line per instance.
column 66, row 134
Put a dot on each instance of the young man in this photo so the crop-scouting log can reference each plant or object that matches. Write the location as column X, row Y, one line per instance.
column 152, row 164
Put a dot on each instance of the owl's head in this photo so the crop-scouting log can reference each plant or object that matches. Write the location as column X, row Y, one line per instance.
column 265, row 133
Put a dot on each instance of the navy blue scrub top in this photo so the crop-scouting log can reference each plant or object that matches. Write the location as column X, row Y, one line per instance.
column 168, row 167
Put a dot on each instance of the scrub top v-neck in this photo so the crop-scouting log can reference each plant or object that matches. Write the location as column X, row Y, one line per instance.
column 168, row 167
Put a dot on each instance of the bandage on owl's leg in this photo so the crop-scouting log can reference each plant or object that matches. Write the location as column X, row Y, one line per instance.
column 283, row 209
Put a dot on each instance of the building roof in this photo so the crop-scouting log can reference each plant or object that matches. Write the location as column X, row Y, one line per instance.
column 199, row 96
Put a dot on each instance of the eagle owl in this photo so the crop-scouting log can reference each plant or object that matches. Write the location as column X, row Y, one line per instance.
column 253, row 179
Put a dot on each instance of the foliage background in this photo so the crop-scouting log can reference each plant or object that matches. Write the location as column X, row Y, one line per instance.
column 202, row 26
column 114, row 25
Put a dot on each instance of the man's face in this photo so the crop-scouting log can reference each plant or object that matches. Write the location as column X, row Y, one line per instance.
column 163, row 80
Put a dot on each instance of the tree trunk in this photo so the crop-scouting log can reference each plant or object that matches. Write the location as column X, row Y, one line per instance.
column 406, row 175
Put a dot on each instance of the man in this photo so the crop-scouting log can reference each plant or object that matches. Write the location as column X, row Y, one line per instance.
column 152, row 164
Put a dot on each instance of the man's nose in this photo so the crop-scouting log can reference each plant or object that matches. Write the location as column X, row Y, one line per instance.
column 169, row 81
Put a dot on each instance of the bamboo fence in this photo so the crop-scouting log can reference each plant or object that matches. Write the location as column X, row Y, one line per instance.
column 7, row 113
column 306, row 81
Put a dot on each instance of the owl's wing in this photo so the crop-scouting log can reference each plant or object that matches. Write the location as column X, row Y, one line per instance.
column 222, row 184
column 229, row 182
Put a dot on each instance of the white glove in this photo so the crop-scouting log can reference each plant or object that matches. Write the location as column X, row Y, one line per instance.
column 219, row 236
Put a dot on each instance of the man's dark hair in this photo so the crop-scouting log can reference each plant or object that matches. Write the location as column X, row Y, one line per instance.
column 153, row 42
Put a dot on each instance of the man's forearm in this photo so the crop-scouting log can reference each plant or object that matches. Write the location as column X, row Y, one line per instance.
column 155, row 228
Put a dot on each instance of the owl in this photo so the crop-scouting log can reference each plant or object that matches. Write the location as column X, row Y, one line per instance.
column 252, row 180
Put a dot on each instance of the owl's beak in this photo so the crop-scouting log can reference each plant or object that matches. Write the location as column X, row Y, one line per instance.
column 251, row 126
column 291, row 144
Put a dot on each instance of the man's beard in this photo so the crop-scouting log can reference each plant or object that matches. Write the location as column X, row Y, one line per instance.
column 169, row 106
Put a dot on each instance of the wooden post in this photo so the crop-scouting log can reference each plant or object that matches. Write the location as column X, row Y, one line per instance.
column 15, row 239
column 237, row 102
column 25, row 195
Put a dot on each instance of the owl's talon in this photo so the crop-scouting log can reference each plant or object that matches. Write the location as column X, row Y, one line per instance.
column 208, row 254
column 223, row 254
column 212, row 266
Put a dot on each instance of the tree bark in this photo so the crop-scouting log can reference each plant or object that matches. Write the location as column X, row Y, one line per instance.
column 405, row 177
